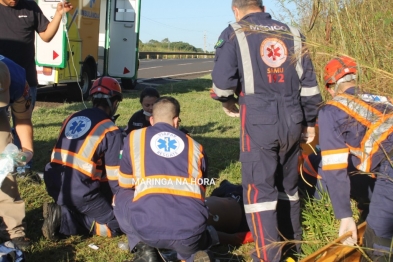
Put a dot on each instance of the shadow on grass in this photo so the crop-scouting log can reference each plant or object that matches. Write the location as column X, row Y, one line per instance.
column 52, row 253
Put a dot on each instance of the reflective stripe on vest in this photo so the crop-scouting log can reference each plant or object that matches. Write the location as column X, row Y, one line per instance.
column 335, row 159
column 95, row 137
column 248, row 74
column 71, row 159
column 297, row 48
column 378, row 125
column 112, row 172
column 82, row 160
column 165, row 184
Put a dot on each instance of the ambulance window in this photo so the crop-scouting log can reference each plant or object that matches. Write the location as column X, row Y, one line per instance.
column 124, row 12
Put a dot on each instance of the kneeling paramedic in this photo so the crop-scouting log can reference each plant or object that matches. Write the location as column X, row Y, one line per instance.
column 313, row 182
column 14, row 92
column 161, row 202
column 82, row 176
column 356, row 129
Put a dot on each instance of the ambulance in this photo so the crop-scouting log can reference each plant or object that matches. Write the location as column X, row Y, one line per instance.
column 96, row 38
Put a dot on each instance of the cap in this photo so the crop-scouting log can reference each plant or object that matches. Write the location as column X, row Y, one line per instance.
column 5, row 82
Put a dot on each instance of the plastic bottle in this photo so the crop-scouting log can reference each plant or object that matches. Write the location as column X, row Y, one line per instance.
column 12, row 151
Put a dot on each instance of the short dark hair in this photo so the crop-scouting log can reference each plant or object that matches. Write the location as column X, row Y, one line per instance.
column 166, row 105
column 241, row 4
column 148, row 91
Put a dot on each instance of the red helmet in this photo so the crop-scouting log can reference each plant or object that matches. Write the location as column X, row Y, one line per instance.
column 106, row 87
column 337, row 68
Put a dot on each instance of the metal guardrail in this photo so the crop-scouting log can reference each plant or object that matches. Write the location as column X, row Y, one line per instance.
column 166, row 55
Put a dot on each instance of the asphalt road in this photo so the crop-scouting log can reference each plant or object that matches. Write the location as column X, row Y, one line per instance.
column 151, row 72
column 172, row 68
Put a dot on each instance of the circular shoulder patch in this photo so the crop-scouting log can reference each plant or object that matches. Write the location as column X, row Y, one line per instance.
column 77, row 127
column 166, row 144
column 273, row 52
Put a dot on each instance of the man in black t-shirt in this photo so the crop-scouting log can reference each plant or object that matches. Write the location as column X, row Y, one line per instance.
column 19, row 20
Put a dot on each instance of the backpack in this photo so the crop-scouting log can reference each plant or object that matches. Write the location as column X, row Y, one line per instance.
column 10, row 253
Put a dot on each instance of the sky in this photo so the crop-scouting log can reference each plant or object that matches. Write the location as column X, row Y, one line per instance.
column 189, row 21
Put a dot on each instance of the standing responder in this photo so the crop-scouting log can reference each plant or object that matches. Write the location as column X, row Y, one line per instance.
column 82, row 176
column 170, row 189
column 14, row 91
column 19, row 22
column 356, row 130
column 265, row 62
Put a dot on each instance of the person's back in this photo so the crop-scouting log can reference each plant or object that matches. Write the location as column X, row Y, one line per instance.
column 173, row 174
column 84, row 137
column 162, row 173
column 83, row 173
column 356, row 129
column 265, row 63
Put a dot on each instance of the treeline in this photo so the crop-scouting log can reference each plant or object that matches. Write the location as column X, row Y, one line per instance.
column 167, row 46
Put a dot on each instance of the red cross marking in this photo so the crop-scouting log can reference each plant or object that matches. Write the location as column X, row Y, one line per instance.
column 273, row 52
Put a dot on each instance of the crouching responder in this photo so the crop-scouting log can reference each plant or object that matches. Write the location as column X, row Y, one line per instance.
column 152, row 195
column 356, row 129
column 14, row 91
column 313, row 182
column 83, row 173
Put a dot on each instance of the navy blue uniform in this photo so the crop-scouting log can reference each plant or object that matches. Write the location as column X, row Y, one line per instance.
column 170, row 189
column 254, row 58
column 137, row 120
column 357, row 130
column 83, row 173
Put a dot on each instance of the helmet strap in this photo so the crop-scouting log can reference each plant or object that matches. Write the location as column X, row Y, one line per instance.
column 346, row 78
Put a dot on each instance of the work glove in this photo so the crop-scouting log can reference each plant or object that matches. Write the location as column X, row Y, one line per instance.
column 348, row 225
column 230, row 108
column 308, row 134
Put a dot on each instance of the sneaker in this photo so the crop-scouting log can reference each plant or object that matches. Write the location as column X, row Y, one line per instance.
column 52, row 221
column 203, row 256
column 22, row 243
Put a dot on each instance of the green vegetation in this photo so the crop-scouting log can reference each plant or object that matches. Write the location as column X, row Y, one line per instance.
column 357, row 28
column 213, row 129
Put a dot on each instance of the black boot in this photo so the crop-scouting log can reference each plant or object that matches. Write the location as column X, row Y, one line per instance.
column 145, row 253
column 52, row 221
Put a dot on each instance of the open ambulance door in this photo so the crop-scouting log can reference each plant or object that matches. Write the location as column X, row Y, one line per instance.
column 122, row 52
column 52, row 54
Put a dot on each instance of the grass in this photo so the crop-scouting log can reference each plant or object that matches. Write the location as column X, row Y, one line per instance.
column 201, row 116
column 207, row 123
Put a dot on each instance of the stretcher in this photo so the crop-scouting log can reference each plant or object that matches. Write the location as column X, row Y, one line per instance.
column 335, row 251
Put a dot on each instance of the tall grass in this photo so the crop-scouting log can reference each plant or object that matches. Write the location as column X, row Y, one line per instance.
column 362, row 29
